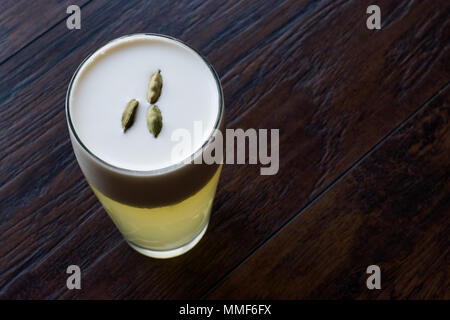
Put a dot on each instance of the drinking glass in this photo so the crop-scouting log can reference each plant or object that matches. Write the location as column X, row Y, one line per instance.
column 161, row 213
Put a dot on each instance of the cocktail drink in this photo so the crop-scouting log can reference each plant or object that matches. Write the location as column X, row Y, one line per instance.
column 158, row 194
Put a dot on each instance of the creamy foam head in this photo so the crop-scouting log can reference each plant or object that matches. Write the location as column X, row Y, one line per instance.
column 120, row 71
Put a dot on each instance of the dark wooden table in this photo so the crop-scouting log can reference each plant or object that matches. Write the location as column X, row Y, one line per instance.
column 364, row 152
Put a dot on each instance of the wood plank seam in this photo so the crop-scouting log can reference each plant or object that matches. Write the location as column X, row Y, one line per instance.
column 12, row 55
column 329, row 187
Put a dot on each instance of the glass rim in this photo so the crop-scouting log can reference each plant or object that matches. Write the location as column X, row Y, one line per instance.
column 189, row 159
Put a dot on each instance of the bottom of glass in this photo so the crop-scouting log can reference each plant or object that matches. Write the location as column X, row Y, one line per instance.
column 164, row 254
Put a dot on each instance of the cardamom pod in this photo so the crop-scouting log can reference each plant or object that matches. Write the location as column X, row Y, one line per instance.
column 128, row 114
column 154, row 88
column 154, row 120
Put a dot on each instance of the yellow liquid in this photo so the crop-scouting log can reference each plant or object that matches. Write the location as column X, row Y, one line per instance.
column 167, row 227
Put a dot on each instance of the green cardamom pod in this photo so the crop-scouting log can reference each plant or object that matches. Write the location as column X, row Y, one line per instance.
column 128, row 114
column 154, row 120
column 154, row 88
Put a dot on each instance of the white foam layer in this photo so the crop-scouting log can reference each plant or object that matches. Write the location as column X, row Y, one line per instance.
column 121, row 71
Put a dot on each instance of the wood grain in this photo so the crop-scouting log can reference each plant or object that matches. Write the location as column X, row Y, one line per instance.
column 21, row 22
column 391, row 211
column 338, row 89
